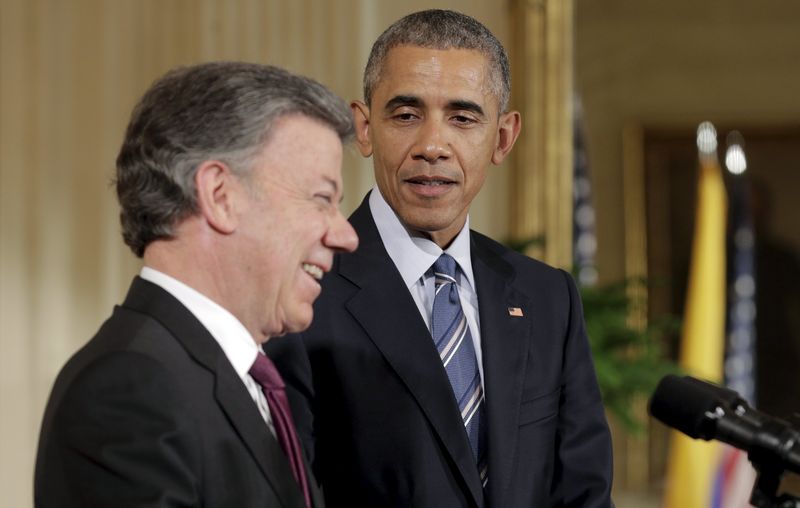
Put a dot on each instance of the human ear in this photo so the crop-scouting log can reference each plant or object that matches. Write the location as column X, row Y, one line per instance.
column 217, row 192
column 361, row 121
column 508, row 131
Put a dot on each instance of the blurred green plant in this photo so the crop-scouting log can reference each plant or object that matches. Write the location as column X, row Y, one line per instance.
column 629, row 359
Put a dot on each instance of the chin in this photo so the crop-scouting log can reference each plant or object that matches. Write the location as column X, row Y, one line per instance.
column 300, row 323
column 425, row 220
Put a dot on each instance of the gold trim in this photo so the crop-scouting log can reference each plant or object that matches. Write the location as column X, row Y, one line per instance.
column 636, row 463
column 541, row 197
column 635, row 216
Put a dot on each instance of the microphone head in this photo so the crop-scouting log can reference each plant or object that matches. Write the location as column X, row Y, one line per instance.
column 682, row 403
column 725, row 396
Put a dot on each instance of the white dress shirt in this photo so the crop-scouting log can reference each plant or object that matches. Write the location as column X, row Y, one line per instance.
column 231, row 335
column 413, row 255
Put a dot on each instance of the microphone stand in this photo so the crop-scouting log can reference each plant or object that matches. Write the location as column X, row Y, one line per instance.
column 770, row 471
column 765, row 490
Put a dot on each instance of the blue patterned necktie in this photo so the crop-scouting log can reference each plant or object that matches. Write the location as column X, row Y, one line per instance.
column 453, row 340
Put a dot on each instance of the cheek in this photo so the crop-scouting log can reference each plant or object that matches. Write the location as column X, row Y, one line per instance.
column 383, row 175
column 308, row 233
column 392, row 148
column 475, row 177
column 479, row 143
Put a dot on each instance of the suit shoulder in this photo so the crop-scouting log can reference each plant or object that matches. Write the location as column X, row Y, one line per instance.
column 129, row 355
column 128, row 380
column 131, row 331
column 116, row 422
column 522, row 264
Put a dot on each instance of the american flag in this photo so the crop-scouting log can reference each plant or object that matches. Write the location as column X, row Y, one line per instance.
column 735, row 475
column 583, row 219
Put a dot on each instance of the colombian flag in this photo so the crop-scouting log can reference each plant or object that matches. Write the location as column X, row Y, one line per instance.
column 692, row 465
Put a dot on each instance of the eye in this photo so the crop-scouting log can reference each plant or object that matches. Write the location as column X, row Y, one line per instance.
column 463, row 120
column 404, row 115
column 324, row 198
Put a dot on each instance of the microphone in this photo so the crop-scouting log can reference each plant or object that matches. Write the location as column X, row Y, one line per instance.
column 706, row 411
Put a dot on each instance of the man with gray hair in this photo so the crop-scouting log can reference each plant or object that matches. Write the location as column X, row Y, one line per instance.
column 448, row 370
column 229, row 181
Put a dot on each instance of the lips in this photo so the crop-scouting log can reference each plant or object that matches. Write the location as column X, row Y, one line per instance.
column 430, row 180
column 430, row 186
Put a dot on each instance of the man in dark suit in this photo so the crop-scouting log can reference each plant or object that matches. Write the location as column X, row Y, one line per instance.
column 448, row 370
column 229, row 179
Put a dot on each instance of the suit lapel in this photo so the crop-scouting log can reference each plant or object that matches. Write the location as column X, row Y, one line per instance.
column 316, row 493
column 505, row 340
column 230, row 393
column 250, row 427
column 401, row 336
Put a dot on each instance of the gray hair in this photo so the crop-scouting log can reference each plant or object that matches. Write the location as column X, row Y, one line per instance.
column 441, row 29
column 221, row 111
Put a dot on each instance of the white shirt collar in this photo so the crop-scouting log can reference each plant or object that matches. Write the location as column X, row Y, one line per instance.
column 414, row 255
column 234, row 339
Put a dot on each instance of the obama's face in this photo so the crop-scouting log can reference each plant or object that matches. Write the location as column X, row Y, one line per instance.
column 433, row 128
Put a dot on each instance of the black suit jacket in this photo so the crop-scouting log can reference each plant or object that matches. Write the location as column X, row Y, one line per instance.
column 151, row 413
column 387, row 429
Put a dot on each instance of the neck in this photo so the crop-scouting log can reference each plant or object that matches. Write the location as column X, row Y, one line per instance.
column 192, row 259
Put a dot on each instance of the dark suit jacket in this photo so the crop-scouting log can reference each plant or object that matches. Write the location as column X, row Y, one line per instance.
column 151, row 413
column 386, row 426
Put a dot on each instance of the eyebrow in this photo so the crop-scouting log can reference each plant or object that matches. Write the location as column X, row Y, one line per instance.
column 464, row 105
column 403, row 100
column 415, row 102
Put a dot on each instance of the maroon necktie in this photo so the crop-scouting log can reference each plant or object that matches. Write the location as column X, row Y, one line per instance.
column 265, row 373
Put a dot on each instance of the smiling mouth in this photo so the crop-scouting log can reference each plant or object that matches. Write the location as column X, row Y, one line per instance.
column 313, row 270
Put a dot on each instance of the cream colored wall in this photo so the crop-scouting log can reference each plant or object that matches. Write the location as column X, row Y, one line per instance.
column 70, row 74
column 677, row 63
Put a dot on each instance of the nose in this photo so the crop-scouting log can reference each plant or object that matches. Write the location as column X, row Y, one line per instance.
column 341, row 236
column 431, row 144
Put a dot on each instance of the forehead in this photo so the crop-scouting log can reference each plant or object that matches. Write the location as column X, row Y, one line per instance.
column 302, row 149
column 430, row 73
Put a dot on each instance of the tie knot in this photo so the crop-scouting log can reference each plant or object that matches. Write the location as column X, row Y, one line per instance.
column 445, row 266
column 265, row 373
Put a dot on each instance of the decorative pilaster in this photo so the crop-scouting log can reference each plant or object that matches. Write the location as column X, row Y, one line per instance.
column 541, row 63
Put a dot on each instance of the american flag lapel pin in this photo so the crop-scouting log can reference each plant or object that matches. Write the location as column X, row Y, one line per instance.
column 515, row 311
